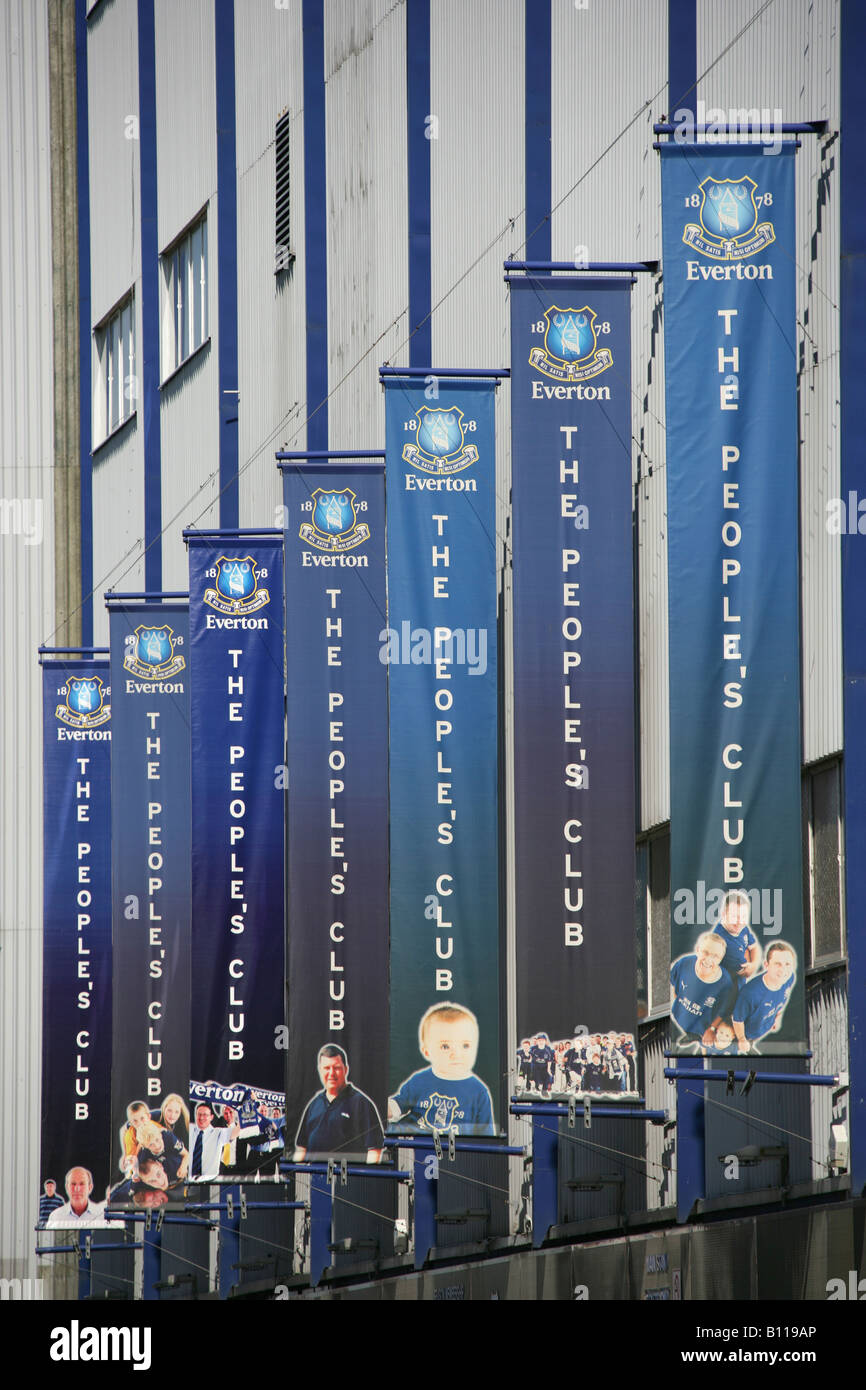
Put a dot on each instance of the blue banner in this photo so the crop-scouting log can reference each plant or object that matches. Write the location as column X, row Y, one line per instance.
column 150, row 779
column 573, row 686
column 238, row 795
column 337, row 719
column 76, row 971
column 441, row 649
column 732, row 466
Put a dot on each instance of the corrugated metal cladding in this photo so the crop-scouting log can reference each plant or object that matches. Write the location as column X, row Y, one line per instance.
column 26, row 596
column 788, row 60
column 185, row 113
column 112, row 68
column 827, row 1003
column 186, row 183
column 608, row 84
column 115, row 269
column 271, row 307
column 368, row 284
column 118, row 519
column 660, row 1094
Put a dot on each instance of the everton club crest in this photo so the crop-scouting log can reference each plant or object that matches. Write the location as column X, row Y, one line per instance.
column 150, row 654
column 729, row 227
column 440, row 1112
column 570, row 352
column 440, row 446
column 237, row 587
column 335, row 526
column 84, row 708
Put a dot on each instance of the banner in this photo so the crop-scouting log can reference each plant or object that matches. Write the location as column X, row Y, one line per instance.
column 76, row 969
column 150, row 781
column 732, row 466
column 573, row 686
column 238, row 792
column 441, row 650
column 337, row 719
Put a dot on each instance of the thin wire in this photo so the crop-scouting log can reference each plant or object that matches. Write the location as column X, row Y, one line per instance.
column 755, row 1120
column 302, row 426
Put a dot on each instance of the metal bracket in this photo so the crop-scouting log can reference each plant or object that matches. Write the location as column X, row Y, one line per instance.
column 160, row 1217
column 572, row 1111
column 331, row 1170
column 587, row 1113
column 452, row 1146
column 748, row 1083
column 437, row 1144
column 344, row 1171
column 729, row 1084
column 230, row 1206
column 243, row 1205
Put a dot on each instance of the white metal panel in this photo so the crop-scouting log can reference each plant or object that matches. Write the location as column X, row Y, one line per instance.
column 787, row 61
column 118, row 521
column 185, row 112
column 476, row 175
column 608, row 77
column 271, row 308
column 365, row 84
column 112, row 86
column 26, row 600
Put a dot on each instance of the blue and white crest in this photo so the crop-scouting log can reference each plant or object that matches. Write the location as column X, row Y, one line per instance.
column 151, row 653
column 440, row 1111
column 84, row 695
column 728, row 209
column 571, row 352
column 154, row 646
column 84, row 706
column 440, row 445
column 729, row 228
column 334, row 512
column 237, row 586
column 440, row 432
column 570, row 335
column 236, row 579
column 335, row 526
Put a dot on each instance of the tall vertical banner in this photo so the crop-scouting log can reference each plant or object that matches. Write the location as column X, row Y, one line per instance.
column 441, row 650
column 76, row 969
column 573, row 685
column 150, row 780
column 238, row 877
column 732, row 466
column 337, row 722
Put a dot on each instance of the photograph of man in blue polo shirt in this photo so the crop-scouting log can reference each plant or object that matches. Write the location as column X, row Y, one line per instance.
column 339, row 1118
column 702, row 992
column 761, row 1003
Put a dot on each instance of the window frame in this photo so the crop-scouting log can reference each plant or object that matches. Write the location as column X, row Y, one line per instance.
column 115, row 385
column 184, row 280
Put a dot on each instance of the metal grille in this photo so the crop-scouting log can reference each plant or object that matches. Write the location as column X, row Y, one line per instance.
column 283, row 255
column 660, row 919
column 826, row 899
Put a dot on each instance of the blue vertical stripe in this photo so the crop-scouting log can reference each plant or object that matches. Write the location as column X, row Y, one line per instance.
column 682, row 55
column 148, row 357
column 227, row 255
column 85, row 442
column 537, row 146
column 418, row 156
column 852, row 371
column 315, row 224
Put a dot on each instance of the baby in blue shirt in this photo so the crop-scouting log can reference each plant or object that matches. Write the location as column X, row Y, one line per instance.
column 447, row 1095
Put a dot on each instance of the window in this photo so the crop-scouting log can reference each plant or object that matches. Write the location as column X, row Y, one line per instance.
column 184, row 297
column 115, row 388
column 283, row 254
